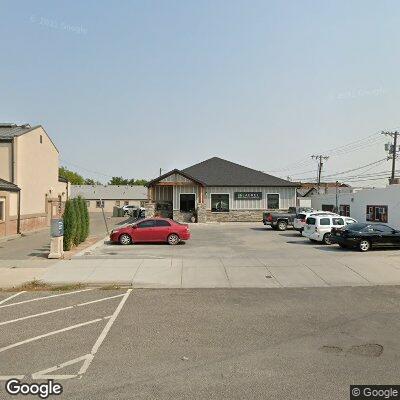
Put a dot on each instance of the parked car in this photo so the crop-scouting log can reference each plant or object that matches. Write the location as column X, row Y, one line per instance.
column 300, row 220
column 318, row 227
column 280, row 220
column 128, row 210
column 151, row 230
column 365, row 236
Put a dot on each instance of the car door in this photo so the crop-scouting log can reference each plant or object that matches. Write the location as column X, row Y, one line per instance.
column 144, row 231
column 389, row 236
column 161, row 230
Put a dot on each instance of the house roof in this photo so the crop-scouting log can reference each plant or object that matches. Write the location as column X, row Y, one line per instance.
column 10, row 131
column 8, row 186
column 175, row 171
column 109, row 192
column 219, row 172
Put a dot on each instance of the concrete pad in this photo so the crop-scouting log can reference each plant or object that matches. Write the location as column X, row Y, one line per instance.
column 156, row 262
column 281, row 262
column 204, row 277
column 202, row 262
column 158, row 276
column 67, row 274
column 336, row 274
column 377, row 273
column 250, row 277
column 17, row 276
column 114, row 263
column 107, row 275
column 296, row 277
column 241, row 262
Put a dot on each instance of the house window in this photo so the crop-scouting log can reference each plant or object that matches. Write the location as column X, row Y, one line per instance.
column 273, row 201
column 328, row 207
column 2, row 210
column 377, row 214
column 187, row 202
column 99, row 203
column 142, row 204
column 41, row 139
column 344, row 210
column 117, row 203
column 88, row 203
column 220, row 202
column 126, row 203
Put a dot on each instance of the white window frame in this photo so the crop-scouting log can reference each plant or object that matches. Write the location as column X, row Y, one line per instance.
column 3, row 206
column 266, row 201
column 195, row 201
column 229, row 203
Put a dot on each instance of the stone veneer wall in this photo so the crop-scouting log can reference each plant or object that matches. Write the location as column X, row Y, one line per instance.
column 235, row 216
column 180, row 216
column 201, row 213
column 150, row 209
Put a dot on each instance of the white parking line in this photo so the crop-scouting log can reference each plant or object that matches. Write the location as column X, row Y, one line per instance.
column 45, row 297
column 11, row 297
column 33, row 339
column 104, row 333
column 58, row 310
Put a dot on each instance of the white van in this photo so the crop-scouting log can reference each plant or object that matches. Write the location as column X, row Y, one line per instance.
column 318, row 227
column 300, row 221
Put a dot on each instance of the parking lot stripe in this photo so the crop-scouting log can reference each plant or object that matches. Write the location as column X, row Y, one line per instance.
column 8, row 377
column 33, row 339
column 11, row 297
column 45, row 297
column 104, row 333
column 58, row 310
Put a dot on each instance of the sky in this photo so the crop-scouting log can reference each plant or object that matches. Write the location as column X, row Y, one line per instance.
column 125, row 88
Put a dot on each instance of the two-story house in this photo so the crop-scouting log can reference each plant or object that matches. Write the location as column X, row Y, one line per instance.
column 31, row 192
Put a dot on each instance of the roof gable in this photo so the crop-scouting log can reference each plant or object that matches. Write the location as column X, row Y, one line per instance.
column 219, row 172
column 8, row 186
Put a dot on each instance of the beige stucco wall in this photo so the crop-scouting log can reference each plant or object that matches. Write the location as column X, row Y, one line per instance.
column 13, row 209
column 5, row 161
column 37, row 171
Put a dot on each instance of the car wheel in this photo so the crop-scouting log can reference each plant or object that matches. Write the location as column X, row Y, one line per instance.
column 173, row 239
column 125, row 239
column 327, row 239
column 282, row 225
column 364, row 245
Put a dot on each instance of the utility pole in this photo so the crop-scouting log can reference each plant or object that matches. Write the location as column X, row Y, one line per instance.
column 392, row 149
column 321, row 158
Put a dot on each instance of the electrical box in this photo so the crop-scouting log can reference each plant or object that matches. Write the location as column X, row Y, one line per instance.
column 57, row 227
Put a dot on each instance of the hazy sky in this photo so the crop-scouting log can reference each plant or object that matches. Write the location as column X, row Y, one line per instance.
column 127, row 87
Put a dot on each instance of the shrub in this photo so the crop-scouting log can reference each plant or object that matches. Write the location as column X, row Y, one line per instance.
column 85, row 219
column 70, row 225
column 79, row 224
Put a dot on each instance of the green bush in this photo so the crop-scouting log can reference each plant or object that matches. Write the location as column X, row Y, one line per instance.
column 85, row 219
column 79, row 225
column 70, row 224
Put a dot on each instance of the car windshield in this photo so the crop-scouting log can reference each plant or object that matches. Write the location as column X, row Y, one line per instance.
column 356, row 227
column 310, row 221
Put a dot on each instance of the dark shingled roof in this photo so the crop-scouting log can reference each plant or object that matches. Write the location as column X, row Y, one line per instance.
column 8, row 186
column 9, row 131
column 218, row 172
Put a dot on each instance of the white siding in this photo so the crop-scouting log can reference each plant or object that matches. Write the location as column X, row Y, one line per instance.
column 163, row 193
column 287, row 197
column 175, row 178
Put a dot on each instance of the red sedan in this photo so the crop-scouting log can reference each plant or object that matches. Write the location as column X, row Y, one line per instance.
column 151, row 230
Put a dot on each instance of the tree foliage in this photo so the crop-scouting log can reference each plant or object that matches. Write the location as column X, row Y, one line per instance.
column 73, row 177
column 79, row 221
column 119, row 180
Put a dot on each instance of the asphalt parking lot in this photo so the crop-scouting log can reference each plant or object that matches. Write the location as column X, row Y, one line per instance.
column 201, row 343
column 230, row 255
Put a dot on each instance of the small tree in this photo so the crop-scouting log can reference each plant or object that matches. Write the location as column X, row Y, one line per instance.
column 70, row 225
column 87, row 219
column 79, row 224
column 84, row 218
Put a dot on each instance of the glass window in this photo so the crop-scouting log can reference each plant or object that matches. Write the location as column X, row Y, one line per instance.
column 219, row 202
column 99, row 203
column 162, row 222
column 377, row 213
column 146, row 224
column 2, row 210
column 328, row 207
column 272, row 201
column 126, row 203
column 383, row 228
column 187, row 202
column 337, row 221
column 324, row 221
column 310, row 221
column 117, row 203
column 344, row 210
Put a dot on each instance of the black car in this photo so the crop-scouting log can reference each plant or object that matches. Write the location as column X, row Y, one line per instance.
column 365, row 236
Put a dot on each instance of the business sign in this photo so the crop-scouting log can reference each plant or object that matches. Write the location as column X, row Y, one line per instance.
column 248, row 195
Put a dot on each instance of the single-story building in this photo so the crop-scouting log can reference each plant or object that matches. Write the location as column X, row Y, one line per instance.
column 219, row 190
column 9, row 208
column 366, row 205
column 110, row 196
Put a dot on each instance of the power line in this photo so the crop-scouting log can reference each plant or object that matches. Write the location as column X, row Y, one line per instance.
column 392, row 151
column 321, row 158
column 85, row 169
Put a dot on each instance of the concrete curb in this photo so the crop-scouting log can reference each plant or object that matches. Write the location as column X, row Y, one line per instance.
column 90, row 248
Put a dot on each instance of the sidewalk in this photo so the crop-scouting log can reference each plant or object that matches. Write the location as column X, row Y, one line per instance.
column 220, row 273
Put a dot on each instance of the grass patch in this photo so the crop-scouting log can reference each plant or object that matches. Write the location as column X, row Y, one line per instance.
column 111, row 287
column 37, row 285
